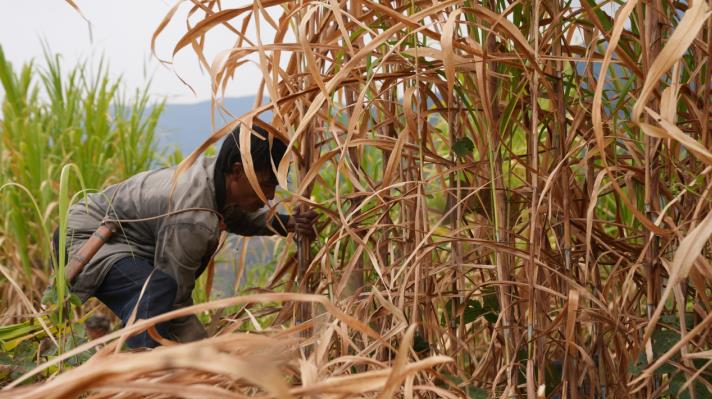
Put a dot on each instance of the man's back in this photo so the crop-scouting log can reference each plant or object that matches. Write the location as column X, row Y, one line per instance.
column 154, row 224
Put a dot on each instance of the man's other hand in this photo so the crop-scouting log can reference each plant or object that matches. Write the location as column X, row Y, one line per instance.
column 302, row 223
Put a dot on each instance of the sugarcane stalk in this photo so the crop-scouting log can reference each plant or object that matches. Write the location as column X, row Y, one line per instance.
column 304, row 256
column 652, row 40
column 502, row 260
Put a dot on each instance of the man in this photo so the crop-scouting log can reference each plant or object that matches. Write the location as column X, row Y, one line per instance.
column 170, row 229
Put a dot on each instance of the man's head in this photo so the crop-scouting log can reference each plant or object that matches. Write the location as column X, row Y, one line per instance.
column 265, row 151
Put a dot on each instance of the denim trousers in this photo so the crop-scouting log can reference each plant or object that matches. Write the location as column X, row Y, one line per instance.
column 121, row 289
column 121, row 292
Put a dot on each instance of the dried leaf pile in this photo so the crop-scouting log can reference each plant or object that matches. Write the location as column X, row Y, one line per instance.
column 238, row 365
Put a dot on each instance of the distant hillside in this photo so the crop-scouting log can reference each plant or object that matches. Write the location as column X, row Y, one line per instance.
column 188, row 125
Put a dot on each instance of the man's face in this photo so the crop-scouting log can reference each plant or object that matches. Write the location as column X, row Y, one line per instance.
column 239, row 191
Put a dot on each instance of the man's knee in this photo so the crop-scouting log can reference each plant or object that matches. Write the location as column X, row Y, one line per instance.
column 157, row 299
column 162, row 288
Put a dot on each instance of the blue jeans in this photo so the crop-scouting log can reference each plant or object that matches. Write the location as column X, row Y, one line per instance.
column 121, row 289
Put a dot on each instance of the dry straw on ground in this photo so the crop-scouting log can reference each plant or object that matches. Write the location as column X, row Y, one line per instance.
column 238, row 365
column 546, row 161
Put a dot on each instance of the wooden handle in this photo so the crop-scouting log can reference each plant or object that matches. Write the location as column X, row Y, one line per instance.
column 89, row 249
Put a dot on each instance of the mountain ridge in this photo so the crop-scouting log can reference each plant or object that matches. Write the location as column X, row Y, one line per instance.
column 188, row 125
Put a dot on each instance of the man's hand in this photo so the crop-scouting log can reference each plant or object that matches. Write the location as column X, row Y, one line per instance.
column 302, row 223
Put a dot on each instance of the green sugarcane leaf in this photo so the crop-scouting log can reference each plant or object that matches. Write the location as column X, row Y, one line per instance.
column 463, row 146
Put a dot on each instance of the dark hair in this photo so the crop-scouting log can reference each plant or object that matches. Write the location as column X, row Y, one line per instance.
column 263, row 154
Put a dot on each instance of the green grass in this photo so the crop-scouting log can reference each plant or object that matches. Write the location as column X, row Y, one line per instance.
column 63, row 132
column 51, row 118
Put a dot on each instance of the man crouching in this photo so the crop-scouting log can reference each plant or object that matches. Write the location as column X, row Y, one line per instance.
column 168, row 231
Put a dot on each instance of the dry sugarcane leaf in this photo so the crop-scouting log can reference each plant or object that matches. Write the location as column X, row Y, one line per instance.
column 669, row 98
column 458, row 62
column 395, row 378
column 680, row 40
column 685, row 255
column 346, row 69
column 670, row 131
column 217, row 18
column 621, row 18
column 571, row 320
column 639, row 383
column 246, row 155
column 260, row 371
column 589, row 217
column 307, row 49
column 448, row 51
column 141, row 325
column 76, row 8
column 164, row 22
column 366, row 382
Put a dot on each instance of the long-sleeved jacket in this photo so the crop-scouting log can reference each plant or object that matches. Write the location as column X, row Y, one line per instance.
column 178, row 244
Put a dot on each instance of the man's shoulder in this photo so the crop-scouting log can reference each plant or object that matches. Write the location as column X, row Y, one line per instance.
column 174, row 190
column 193, row 198
column 195, row 186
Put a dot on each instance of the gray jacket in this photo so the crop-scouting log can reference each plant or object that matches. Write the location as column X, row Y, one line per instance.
column 178, row 244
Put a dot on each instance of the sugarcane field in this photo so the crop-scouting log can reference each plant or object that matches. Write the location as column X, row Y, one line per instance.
column 356, row 199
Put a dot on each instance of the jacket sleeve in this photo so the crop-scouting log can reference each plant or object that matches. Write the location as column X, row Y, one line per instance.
column 181, row 245
column 256, row 224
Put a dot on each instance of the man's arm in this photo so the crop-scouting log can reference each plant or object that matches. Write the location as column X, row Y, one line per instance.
column 260, row 224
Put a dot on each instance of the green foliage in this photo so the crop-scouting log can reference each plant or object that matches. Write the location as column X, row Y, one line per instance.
column 34, row 349
column 663, row 339
column 51, row 118
column 473, row 309
column 679, row 379
column 463, row 146
column 13, row 331
column 62, row 132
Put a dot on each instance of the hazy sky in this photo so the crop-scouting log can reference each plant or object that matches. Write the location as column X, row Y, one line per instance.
column 122, row 32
